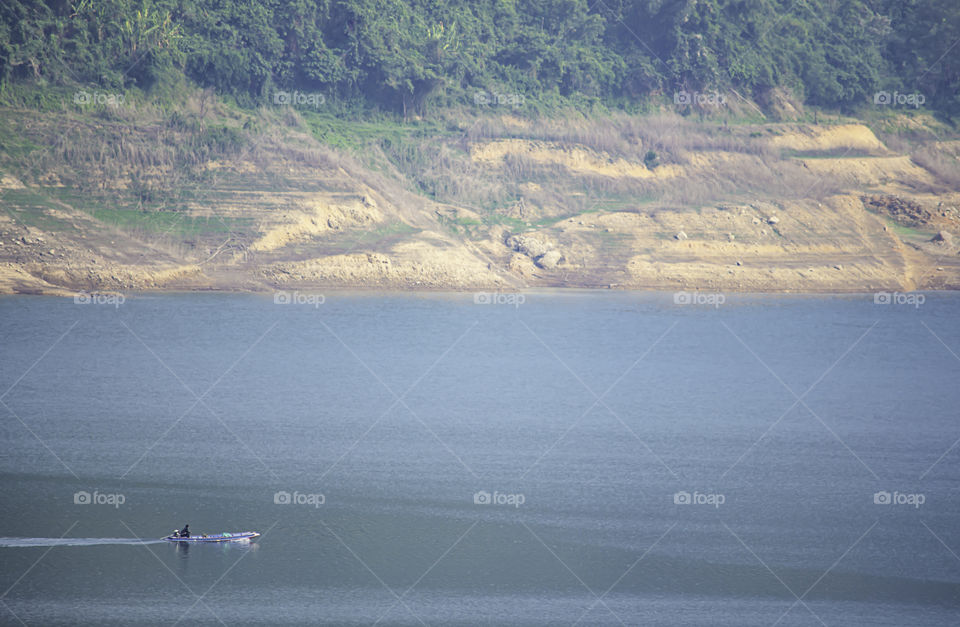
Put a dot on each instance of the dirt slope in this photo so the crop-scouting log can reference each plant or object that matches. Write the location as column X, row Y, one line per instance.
column 706, row 220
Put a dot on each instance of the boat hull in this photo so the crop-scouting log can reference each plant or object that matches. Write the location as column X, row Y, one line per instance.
column 217, row 537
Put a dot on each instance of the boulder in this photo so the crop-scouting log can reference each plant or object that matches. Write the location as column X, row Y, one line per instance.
column 527, row 245
column 943, row 237
column 773, row 220
column 681, row 236
column 549, row 259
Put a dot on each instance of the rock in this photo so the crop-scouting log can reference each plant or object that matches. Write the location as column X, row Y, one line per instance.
column 549, row 260
column 756, row 220
column 731, row 237
column 527, row 245
column 838, row 267
column 773, row 220
column 52, row 251
column 943, row 237
column 369, row 201
column 681, row 236
column 739, row 263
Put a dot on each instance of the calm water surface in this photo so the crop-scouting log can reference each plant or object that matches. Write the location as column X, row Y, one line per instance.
column 421, row 459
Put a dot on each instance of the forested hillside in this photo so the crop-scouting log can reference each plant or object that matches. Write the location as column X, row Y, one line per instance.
column 409, row 56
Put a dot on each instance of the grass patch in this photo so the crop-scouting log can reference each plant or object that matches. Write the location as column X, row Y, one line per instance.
column 14, row 145
column 395, row 228
column 28, row 208
column 382, row 236
column 828, row 154
column 170, row 223
column 354, row 135
column 908, row 231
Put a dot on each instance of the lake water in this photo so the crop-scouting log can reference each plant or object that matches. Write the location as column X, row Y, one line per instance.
column 606, row 458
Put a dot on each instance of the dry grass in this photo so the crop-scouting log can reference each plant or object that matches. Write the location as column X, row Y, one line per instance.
column 156, row 154
column 628, row 137
column 745, row 164
column 944, row 166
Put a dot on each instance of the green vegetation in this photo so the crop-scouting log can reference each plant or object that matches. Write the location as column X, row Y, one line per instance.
column 907, row 231
column 168, row 223
column 29, row 207
column 651, row 160
column 407, row 56
column 403, row 93
column 379, row 237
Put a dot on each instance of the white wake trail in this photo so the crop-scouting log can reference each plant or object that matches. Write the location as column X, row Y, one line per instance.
column 29, row 542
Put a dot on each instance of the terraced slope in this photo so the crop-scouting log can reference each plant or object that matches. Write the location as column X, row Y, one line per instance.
column 261, row 201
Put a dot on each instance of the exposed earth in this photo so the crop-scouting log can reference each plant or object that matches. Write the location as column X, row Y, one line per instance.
column 786, row 207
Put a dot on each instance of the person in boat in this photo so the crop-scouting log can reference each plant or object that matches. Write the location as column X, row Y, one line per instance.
column 185, row 532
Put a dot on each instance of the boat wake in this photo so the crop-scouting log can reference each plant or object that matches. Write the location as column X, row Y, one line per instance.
column 29, row 542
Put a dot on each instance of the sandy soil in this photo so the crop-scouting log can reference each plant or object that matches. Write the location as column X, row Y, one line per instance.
column 348, row 229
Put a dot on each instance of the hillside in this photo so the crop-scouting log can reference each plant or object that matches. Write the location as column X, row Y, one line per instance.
column 418, row 57
column 209, row 195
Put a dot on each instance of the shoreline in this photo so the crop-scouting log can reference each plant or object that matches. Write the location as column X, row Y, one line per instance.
column 534, row 290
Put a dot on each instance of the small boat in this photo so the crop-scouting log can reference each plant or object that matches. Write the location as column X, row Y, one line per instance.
column 238, row 536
